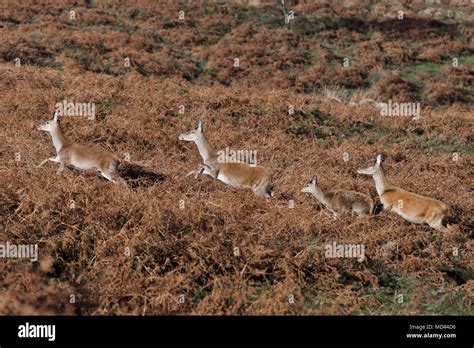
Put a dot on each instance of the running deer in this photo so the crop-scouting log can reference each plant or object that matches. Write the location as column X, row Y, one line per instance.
column 341, row 201
column 410, row 206
column 237, row 175
column 79, row 156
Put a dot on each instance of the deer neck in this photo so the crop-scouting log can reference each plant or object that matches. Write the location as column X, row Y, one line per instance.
column 321, row 196
column 381, row 183
column 59, row 141
column 207, row 152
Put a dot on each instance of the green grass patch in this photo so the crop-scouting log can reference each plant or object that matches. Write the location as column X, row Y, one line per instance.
column 412, row 73
column 269, row 15
column 457, row 304
column 448, row 145
column 309, row 57
column 467, row 60
column 391, row 302
column 39, row 53
column 337, row 51
column 306, row 26
column 138, row 13
column 317, row 114
column 332, row 131
column 259, row 112
column 393, row 293
column 105, row 106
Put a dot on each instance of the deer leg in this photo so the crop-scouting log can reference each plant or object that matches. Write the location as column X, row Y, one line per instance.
column 42, row 163
column 196, row 172
column 334, row 213
column 122, row 181
column 206, row 169
column 107, row 176
column 61, row 167
column 119, row 180
column 52, row 159
column 116, row 179
column 437, row 225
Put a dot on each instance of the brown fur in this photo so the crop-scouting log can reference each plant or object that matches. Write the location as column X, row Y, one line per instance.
column 237, row 175
column 243, row 175
column 414, row 207
column 346, row 202
column 104, row 160
column 411, row 206
column 81, row 156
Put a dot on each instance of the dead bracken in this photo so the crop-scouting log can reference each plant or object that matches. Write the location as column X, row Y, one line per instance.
column 171, row 245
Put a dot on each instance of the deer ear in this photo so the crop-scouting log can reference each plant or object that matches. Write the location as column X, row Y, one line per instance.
column 56, row 115
column 314, row 180
column 379, row 159
column 200, row 126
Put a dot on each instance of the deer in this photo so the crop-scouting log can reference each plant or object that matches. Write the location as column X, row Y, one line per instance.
column 288, row 15
column 410, row 206
column 80, row 156
column 237, row 175
column 341, row 201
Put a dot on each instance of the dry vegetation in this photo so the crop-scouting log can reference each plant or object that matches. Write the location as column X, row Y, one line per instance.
column 190, row 251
